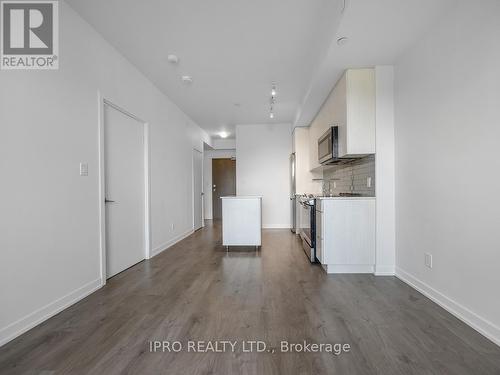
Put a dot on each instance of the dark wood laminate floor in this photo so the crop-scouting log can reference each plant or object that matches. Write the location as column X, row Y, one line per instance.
column 197, row 291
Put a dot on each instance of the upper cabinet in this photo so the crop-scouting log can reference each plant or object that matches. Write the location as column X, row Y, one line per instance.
column 351, row 107
column 304, row 178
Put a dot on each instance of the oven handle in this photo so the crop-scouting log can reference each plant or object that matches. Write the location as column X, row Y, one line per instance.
column 306, row 205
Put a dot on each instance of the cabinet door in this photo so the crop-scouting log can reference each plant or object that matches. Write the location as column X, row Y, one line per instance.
column 360, row 112
column 332, row 113
column 351, row 107
column 314, row 134
column 319, row 234
column 349, row 232
column 303, row 177
column 336, row 112
column 326, row 230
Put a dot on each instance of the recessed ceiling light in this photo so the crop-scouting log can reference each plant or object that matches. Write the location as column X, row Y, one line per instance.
column 272, row 101
column 223, row 134
column 342, row 40
column 173, row 59
column 187, row 79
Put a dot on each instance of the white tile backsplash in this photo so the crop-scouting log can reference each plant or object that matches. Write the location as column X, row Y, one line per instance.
column 351, row 178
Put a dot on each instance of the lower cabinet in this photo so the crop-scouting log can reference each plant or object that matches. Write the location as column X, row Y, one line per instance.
column 345, row 234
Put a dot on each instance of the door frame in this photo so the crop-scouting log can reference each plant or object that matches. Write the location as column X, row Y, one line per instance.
column 202, row 186
column 102, row 102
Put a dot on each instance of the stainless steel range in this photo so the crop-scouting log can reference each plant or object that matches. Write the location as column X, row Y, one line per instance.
column 307, row 225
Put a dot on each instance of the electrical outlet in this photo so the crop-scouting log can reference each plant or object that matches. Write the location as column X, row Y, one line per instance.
column 84, row 169
column 428, row 260
column 368, row 182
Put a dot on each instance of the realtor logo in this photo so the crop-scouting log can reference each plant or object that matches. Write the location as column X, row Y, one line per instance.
column 29, row 35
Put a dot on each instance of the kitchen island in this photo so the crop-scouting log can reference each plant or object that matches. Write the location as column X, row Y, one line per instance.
column 241, row 221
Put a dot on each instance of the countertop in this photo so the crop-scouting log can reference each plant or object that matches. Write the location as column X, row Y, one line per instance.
column 352, row 198
column 242, row 197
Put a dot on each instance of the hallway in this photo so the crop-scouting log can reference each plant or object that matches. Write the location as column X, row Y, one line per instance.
column 198, row 291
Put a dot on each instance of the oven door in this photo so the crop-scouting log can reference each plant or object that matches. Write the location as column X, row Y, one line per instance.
column 307, row 232
column 305, row 222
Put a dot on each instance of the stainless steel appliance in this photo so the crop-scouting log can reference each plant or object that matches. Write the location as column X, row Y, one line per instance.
column 293, row 203
column 318, row 229
column 307, row 226
column 328, row 147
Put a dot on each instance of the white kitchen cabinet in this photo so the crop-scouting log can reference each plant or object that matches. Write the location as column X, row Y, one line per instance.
column 345, row 238
column 241, row 221
column 351, row 107
column 303, row 176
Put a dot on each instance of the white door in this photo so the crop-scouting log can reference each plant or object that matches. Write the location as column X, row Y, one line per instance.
column 197, row 189
column 124, row 189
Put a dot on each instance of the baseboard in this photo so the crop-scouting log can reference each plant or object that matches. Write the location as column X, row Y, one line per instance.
column 349, row 268
column 26, row 323
column 157, row 250
column 276, row 226
column 483, row 326
column 381, row 270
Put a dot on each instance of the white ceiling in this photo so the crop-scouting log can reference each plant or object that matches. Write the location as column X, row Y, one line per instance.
column 378, row 31
column 235, row 49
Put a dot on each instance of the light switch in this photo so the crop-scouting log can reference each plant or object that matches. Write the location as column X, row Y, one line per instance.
column 428, row 260
column 84, row 169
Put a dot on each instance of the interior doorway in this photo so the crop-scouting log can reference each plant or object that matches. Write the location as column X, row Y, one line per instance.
column 223, row 183
column 124, row 183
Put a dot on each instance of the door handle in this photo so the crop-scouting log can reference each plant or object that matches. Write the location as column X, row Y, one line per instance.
column 108, row 201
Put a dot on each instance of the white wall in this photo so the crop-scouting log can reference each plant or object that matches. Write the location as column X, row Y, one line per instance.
column 207, row 176
column 447, row 163
column 385, row 259
column 49, row 236
column 224, row 144
column 263, row 168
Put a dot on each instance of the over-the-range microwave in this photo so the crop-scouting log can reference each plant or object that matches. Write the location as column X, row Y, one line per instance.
column 328, row 146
